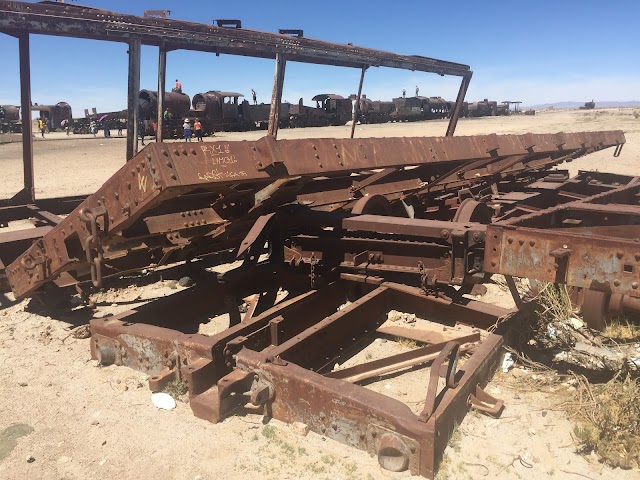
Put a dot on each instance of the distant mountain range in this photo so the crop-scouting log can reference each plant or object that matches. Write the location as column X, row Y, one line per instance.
column 559, row 105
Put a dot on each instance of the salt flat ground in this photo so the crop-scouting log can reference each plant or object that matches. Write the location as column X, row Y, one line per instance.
column 91, row 422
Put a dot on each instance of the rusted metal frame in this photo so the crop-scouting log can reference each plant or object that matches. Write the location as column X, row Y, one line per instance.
column 365, row 419
column 163, row 172
column 105, row 25
column 356, row 108
column 25, row 111
column 162, row 78
column 462, row 92
column 599, row 263
column 356, row 319
column 133, row 90
column 400, row 361
column 276, row 94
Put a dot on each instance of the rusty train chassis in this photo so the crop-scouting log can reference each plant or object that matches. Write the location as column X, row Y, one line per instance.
column 348, row 229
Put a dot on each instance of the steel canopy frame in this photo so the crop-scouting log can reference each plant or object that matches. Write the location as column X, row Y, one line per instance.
column 20, row 19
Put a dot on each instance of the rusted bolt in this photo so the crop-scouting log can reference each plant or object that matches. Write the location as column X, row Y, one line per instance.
column 445, row 233
column 532, row 243
column 616, row 283
column 634, row 285
column 175, row 151
column 509, row 240
column 173, row 177
column 320, row 165
column 169, row 164
column 193, row 151
column 619, row 255
column 165, row 153
column 521, row 242
column 476, row 236
column 493, row 264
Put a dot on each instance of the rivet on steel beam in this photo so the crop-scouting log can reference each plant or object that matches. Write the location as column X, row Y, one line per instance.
column 532, row 242
column 175, row 151
column 193, row 150
column 129, row 185
column 320, row 165
column 165, row 153
column 117, row 195
column 616, row 283
column 137, row 168
column 444, row 234
column 521, row 242
column 493, row 264
column 133, row 172
column 135, row 200
column 509, row 240
column 148, row 156
column 634, row 285
column 182, row 214
column 169, row 164
column 173, row 177
column 619, row 255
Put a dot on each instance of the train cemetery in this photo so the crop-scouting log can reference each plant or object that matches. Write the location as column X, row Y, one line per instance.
column 354, row 289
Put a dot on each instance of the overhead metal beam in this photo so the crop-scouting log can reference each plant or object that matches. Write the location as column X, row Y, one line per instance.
column 82, row 22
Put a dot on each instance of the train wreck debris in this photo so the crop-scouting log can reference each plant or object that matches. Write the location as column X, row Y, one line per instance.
column 175, row 202
column 277, row 363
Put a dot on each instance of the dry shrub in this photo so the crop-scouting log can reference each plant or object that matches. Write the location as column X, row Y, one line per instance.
column 609, row 420
column 621, row 329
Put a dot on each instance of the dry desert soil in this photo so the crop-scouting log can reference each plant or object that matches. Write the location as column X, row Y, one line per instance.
column 64, row 417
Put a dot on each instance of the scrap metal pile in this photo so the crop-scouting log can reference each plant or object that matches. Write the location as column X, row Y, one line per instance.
column 333, row 234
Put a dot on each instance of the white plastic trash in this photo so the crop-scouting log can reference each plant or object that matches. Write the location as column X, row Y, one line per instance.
column 163, row 401
column 507, row 362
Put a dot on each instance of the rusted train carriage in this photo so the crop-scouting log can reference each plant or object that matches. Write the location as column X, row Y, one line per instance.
column 54, row 114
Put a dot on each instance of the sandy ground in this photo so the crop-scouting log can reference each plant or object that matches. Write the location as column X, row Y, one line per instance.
column 64, row 417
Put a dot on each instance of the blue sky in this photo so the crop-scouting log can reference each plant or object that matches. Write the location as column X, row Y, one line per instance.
column 535, row 51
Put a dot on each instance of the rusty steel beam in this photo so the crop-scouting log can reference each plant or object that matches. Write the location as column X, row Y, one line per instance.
column 462, row 92
column 276, row 94
column 25, row 109
column 91, row 23
column 133, row 111
column 162, row 175
column 162, row 78
column 356, row 108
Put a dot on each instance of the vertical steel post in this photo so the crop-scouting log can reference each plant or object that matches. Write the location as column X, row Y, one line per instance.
column 25, row 107
column 466, row 79
column 162, row 77
column 132, row 98
column 357, row 105
column 276, row 94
